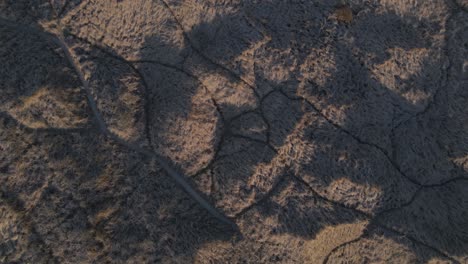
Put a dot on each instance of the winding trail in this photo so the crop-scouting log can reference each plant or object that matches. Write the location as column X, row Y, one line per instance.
column 59, row 39
column 179, row 178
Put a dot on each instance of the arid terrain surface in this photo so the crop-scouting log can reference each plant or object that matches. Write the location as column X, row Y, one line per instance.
column 233, row 131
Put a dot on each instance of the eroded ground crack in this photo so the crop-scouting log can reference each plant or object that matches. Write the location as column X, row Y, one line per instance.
column 166, row 165
column 374, row 220
column 147, row 91
column 441, row 87
column 199, row 52
column 263, row 199
column 59, row 40
column 362, row 142
column 180, row 179
column 335, row 249
column 318, row 110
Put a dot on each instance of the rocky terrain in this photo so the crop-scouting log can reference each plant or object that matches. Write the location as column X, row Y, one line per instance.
column 233, row 131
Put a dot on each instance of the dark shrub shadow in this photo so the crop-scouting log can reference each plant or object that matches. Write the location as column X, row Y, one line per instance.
column 365, row 130
column 155, row 210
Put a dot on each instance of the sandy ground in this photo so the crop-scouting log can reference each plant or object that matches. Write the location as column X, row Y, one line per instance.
column 229, row 131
